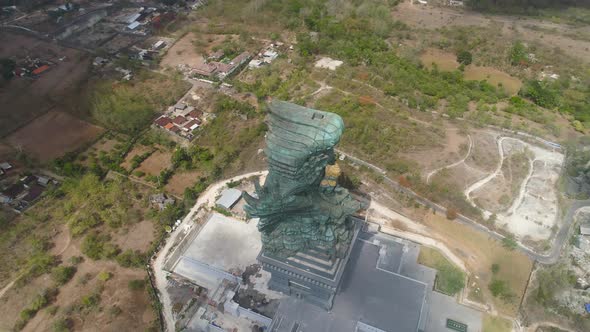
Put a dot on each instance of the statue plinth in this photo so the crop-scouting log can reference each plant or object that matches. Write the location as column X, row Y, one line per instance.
column 312, row 274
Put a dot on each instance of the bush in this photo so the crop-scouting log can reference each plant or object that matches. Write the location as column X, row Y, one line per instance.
column 509, row 242
column 137, row 284
column 499, row 288
column 450, row 279
column 130, row 258
column 90, row 300
column 104, row 276
column 93, row 245
column 62, row 325
column 62, row 274
column 452, row 213
column 495, row 268
column 518, row 54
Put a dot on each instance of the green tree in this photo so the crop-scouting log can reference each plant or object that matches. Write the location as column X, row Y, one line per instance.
column 464, row 57
column 62, row 274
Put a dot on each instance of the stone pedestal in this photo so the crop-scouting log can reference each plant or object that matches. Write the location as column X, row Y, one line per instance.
column 312, row 274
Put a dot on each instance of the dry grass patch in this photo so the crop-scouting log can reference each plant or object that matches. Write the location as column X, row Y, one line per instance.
column 157, row 162
column 182, row 180
column 479, row 253
column 444, row 61
column 495, row 77
column 496, row 324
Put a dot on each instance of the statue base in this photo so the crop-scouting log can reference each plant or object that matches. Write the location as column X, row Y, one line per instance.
column 312, row 275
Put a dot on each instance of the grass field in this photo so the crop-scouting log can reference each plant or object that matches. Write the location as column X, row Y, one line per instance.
column 449, row 276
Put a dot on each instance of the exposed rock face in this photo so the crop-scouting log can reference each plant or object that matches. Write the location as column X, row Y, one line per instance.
column 300, row 205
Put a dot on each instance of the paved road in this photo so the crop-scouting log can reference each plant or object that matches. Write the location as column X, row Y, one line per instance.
column 561, row 238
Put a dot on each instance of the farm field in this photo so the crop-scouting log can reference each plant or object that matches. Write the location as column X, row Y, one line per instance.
column 53, row 134
column 24, row 99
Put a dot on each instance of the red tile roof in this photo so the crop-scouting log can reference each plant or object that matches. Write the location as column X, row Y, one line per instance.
column 179, row 120
column 162, row 121
column 192, row 123
column 174, row 129
column 40, row 70
column 195, row 114
column 169, row 126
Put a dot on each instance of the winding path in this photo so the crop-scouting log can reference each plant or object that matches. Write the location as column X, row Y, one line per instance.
column 457, row 163
column 560, row 239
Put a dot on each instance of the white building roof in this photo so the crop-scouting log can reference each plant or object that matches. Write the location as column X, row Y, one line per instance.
column 133, row 17
column 133, row 25
column 585, row 228
column 229, row 198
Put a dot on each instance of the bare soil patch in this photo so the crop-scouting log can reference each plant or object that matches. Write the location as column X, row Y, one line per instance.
column 493, row 76
column 460, row 176
column 136, row 236
column 53, row 134
column 189, row 50
column 549, row 34
column 444, row 61
column 452, row 149
column 484, row 154
column 182, row 180
column 156, row 163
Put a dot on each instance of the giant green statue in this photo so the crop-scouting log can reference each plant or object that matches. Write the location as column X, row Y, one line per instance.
column 300, row 204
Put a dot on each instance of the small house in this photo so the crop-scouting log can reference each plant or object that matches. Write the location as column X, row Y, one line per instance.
column 195, row 114
column 229, row 198
column 192, row 125
column 43, row 180
column 161, row 201
column 217, row 55
column 33, row 194
column 5, row 166
column 11, row 193
column 179, row 120
column 585, row 228
column 162, row 121
column 159, row 44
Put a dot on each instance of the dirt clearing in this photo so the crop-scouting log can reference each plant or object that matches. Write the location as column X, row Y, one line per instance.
column 182, row 180
column 155, row 163
column 549, row 34
column 189, row 50
column 53, row 134
column 444, row 61
column 495, row 77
